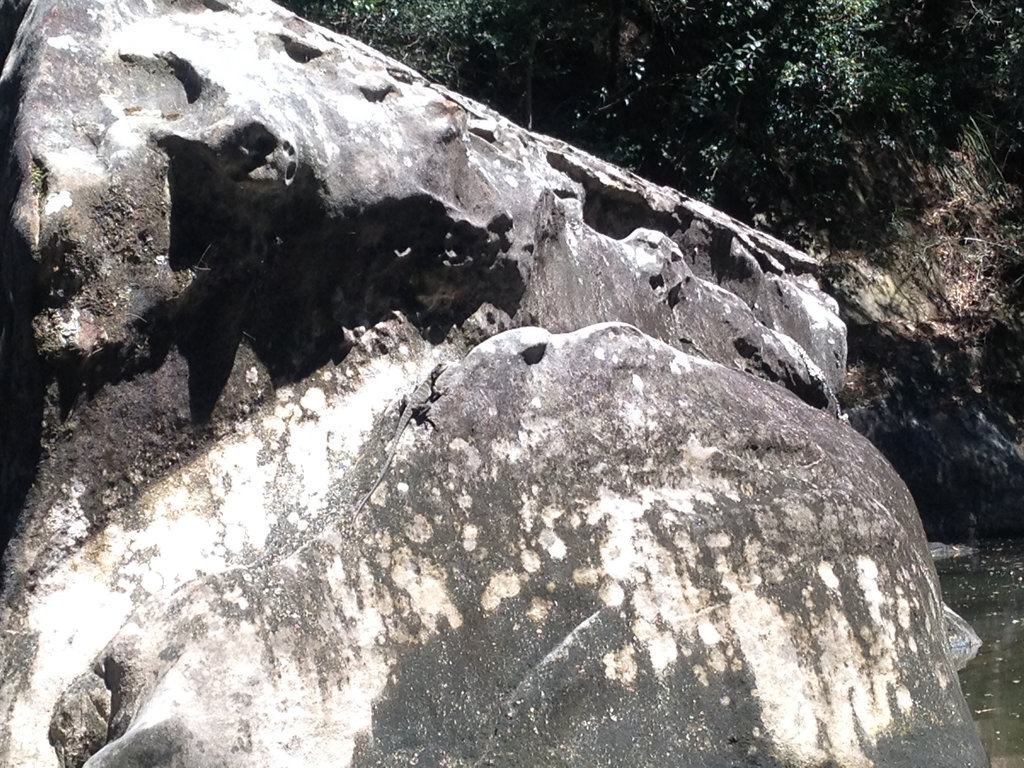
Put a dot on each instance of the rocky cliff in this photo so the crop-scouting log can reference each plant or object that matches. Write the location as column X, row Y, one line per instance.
column 232, row 241
column 938, row 389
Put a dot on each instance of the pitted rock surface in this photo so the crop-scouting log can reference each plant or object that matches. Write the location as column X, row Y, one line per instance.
column 195, row 178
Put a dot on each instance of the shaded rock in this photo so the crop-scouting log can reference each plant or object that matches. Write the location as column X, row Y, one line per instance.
column 79, row 726
column 964, row 642
column 954, row 440
column 941, row 551
column 579, row 275
column 965, row 469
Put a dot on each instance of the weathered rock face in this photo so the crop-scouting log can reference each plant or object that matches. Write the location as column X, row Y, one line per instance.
column 231, row 241
column 164, row 196
column 947, row 412
column 579, row 560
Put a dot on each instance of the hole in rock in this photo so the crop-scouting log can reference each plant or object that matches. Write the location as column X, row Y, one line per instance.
column 616, row 211
column 298, row 50
column 484, row 131
column 534, row 354
column 675, row 293
column 377, row 92
column 187, row 76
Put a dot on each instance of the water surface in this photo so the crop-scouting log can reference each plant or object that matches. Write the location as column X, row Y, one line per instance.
column 987, row 589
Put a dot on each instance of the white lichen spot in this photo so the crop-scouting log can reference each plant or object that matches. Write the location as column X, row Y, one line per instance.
column 867, row 578
column 586, row 577
column 828, row 575
column 502, row 586
column 663, row 652
column 470, row 461
column 63, row 43
column 599, row 353
column 618, row 549
column 612, row 594
column 680, row 364
column 401, row 487
column 709, row 633
column 539, row 610
column 274, row 426
column 550, row 515
column 729, row 578
column 719, row 540
column 530, row 560
column 252, row 376
column 903, row 612
column 696, row 452
column 528, row 513
column 621, row 665
column 469, row 536
column 424, row 582
column 788, row 700
column 903, row 699
column 419, row 530
column 551, row 542
column 56, row 202
column 638, row 384
column 536, row 403
column 314, row 401
column 701, row 674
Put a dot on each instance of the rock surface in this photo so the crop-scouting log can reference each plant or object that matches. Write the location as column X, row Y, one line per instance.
column 594, row 536
column 947, row 411
column 231, row 242
column 166, row 200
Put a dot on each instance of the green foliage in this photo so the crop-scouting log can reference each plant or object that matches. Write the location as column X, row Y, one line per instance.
column 39, row 175
column 794, row 109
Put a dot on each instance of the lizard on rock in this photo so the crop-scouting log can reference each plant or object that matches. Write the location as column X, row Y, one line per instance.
column 415, row 407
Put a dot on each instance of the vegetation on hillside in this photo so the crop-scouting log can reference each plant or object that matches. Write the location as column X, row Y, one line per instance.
column 787, row 109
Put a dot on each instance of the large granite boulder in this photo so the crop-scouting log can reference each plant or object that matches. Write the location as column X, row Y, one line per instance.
column 231, row 241
column 595, row 550
column 195, row 177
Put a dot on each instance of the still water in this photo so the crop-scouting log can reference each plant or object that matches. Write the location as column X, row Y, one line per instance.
column 987, row 589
